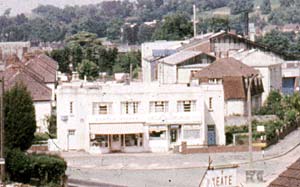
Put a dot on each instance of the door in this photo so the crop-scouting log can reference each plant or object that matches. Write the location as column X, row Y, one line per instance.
column 173, row 135
column 211, row 135
column 71, row 139
column 116, row 142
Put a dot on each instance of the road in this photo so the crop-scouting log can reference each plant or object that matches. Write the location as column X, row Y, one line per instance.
column 168, row 169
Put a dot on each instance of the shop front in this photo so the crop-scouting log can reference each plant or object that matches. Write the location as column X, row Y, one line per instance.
column 105, row 138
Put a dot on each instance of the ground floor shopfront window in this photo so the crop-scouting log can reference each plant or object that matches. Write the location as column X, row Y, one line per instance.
column 133, row 140
column 100, row 141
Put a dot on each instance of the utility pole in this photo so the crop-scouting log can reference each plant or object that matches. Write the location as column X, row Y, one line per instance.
column 194, row 21
column 2, row 162
column 250, row 79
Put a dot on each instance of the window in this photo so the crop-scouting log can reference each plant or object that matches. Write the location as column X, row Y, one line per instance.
column 71, row 132
column 186, row 106
column 210, row 103
column 71, row 107
column 159, row 106
column 102, row 108
column 100, row 141
column 134, row 140
column 214, row 81
column 129, row 107
column 157, row 135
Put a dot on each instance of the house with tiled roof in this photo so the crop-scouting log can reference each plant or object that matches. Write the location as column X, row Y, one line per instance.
column 234, row 76
column 35, row 77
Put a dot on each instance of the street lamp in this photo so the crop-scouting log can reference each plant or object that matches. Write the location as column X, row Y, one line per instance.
column 250, row 79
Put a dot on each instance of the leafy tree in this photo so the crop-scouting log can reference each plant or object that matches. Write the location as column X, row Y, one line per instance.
column 275, row 40
column 174, row 27
column 240, row 6
column 273, row 105
column 266, row 7
column 125, row 60
column 145, row 33
column 286, row 3
column 89, row 69
column 20, row 124
column 214, row 24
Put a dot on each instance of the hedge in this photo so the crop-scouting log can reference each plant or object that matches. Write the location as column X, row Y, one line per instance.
column 45, row 168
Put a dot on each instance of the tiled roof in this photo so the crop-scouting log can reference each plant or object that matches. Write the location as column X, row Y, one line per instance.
column 16, row 72
column 226, row 67
column 289, row 178
column 44, row 66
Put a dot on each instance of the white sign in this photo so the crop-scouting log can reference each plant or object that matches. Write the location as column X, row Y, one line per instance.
column 221, row 178
column 260, row 128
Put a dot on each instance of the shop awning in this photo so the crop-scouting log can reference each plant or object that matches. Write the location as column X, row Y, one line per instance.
column 116, row 128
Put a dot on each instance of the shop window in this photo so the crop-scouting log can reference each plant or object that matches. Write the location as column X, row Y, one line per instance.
column 133, row 140
column 100, row 141
column 129, row 107
column 159, row 106
column 157, row 135
column 186, row 106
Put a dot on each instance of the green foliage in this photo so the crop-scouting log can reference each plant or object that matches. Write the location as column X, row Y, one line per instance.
column 145, row 33
column 273, row 105
column 124, row 61
column 20, row 124
column 266, row 7
column 40, row 137
column 214, row 24
column 18, row 166
column 88, row 69
column 47, row 169
column 174, row 27
column 52, row 125
column 240, row 6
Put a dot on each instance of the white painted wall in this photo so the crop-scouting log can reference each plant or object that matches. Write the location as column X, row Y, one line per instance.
column 42, row 110
column 167, row 74
column 235, row 107
column 83, row 98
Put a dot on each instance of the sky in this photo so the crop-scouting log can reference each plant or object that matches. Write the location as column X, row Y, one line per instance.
column 25, row 6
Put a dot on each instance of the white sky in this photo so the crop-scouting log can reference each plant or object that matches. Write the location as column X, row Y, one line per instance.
column 25, row 6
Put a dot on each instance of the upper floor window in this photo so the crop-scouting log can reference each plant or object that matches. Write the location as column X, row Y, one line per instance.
column 129, row 107
column 159, row 106
column 214, row 81
column 210, row 103
column 102, row 108
column 71, row 107
column 186, row 106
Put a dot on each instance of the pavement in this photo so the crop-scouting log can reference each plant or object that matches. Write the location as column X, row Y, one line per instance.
column 169, row 169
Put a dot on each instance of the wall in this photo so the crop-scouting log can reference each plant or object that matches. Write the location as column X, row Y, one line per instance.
column 167, row 74
column 235, row 107
column 84, row 96
column 42, row 110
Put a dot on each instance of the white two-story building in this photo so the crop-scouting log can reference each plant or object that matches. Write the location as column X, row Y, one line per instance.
column 107, row 117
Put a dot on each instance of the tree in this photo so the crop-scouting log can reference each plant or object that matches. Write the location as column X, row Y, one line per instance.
column 240, row 6
column 20, row 124
column 125, row 60
column 89, row 69
column 276, row 40
column 266, row 7
column 174, row 27
column 145, row 33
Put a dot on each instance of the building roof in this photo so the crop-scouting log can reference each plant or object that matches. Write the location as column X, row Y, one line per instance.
column 290, row 177
column 179, row 57
column 17, row 72
column 45, row 66
column 262, row 58
column 226, row 67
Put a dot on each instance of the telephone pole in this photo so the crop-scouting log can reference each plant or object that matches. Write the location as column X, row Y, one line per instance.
column 194, row 21
column 2, row 160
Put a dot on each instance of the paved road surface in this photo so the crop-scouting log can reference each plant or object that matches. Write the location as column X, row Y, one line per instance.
column 168, row 169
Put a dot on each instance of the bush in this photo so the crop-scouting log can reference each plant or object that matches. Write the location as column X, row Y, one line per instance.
column 22, row 167
column 40, row 137
column 18, row 166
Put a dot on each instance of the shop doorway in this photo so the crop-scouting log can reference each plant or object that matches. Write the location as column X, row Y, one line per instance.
column 71, row 139
column 173, row 135
column 115, row 142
